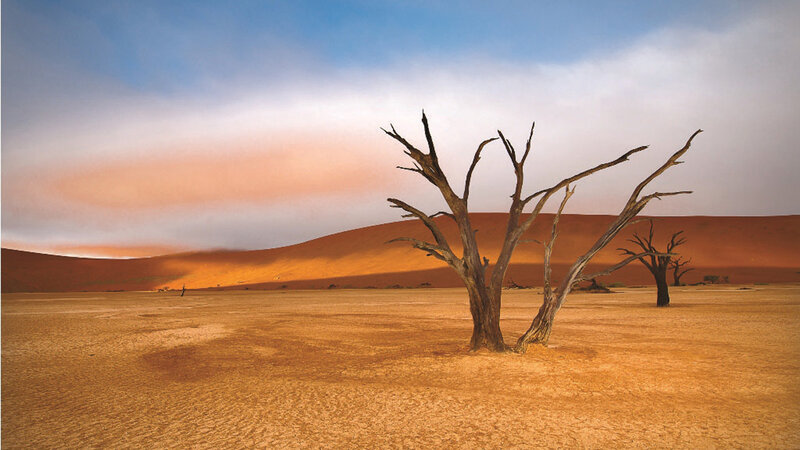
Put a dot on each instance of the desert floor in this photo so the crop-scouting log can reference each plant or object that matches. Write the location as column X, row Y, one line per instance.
column 389, row 368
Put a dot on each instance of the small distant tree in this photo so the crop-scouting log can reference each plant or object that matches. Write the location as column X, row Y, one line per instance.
column 484, row 286
column 677, row 269
column 657, row 262
column 716, row 279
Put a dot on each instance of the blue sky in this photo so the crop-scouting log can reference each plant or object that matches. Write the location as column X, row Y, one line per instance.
column 103, row 102
column 176, row 45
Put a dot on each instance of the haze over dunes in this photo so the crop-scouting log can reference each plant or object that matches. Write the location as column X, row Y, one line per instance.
column 747, row 249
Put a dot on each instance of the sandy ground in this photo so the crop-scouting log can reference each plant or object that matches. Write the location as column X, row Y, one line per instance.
column 389, row 368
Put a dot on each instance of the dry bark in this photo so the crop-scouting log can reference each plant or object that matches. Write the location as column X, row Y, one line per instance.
column 485, row 289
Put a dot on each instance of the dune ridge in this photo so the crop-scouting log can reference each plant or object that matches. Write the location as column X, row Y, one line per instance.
column 746, row 249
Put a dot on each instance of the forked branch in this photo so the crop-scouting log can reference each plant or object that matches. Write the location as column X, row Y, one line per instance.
column 539, row 331
column 517, row 227
column 475, row 160
column 427, row 220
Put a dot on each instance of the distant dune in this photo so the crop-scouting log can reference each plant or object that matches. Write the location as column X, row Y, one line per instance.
column 746, row 249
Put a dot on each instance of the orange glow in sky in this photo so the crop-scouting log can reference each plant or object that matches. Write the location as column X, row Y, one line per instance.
column 286, row 175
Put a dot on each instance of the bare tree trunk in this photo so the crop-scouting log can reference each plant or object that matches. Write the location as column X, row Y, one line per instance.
column 487, row 337
column 494, row 337
column 539, row 331
column 476, row 306
column 485, row 322
column 662, row 298
column 478, row 336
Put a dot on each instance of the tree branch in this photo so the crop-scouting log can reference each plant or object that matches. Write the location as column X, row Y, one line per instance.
column 658, row 195
column 646, row 245
column 515, row 229
column 672, row 161
column 441, row 241
column 675, row 241
column 548, row 247
column 443, row 213
column 676, row 265
column 584, row 174
column 427, row 164
column 528, row 145
column 410, row 149
column 634, row 222
column 509, row 148
column 412, row 169
column 649, row 266
column 629, row 211
column 475, row 160
column 431, row 149
column 617, row 266
column 431, row 249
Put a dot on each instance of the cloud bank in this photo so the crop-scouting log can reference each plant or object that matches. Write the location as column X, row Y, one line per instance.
column 262, row 163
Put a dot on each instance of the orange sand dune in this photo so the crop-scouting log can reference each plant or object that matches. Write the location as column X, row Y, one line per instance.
column 746, row 249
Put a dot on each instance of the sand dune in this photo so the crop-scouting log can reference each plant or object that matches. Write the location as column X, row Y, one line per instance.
column 746, row 249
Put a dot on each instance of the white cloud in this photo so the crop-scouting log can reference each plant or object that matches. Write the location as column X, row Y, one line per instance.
column 737, row 83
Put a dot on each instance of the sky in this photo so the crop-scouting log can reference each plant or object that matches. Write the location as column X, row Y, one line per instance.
column 135, row 128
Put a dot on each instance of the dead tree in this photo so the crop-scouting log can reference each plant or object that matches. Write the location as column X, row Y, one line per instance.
column 657, row 263
column 677, row 269
column 484, row 287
